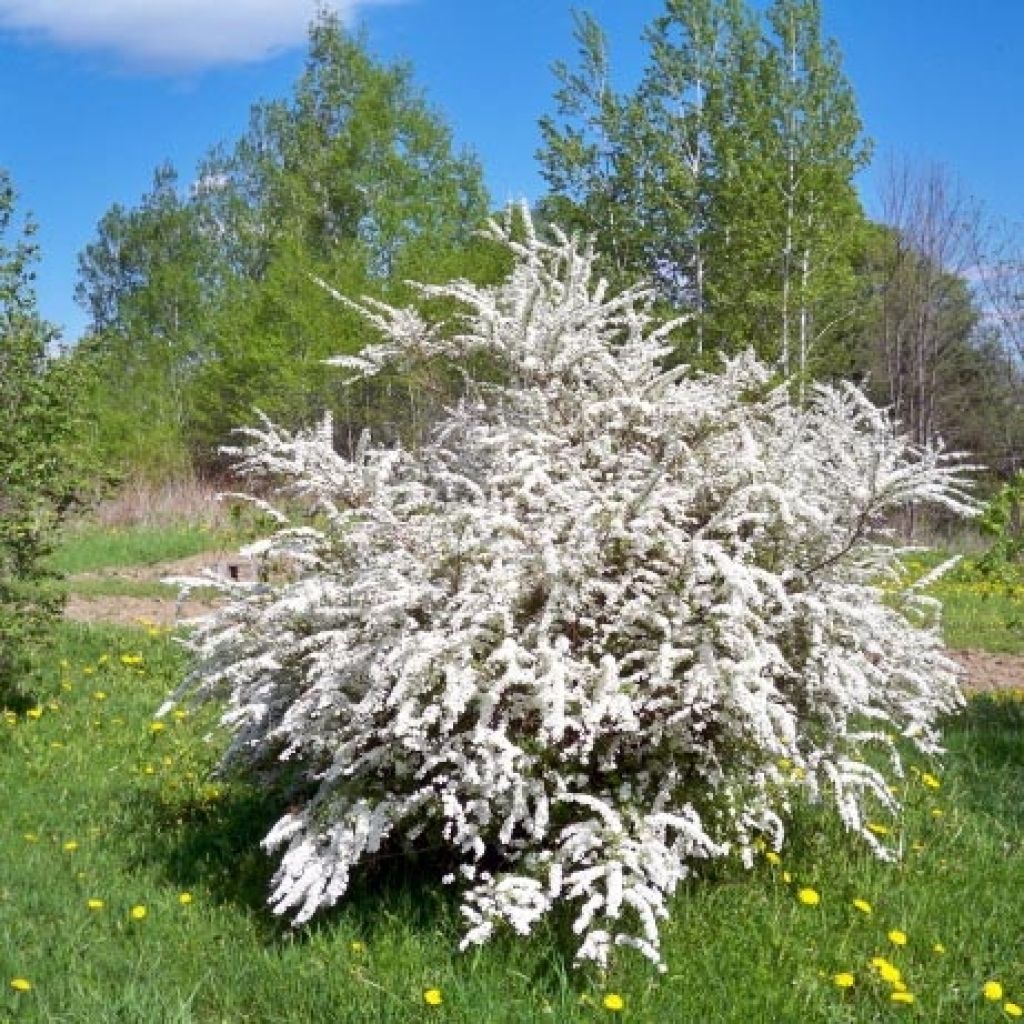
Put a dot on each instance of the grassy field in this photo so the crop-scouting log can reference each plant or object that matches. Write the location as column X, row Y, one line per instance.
column 91, row 548
column 132, row 889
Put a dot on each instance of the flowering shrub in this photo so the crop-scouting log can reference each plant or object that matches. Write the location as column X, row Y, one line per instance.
column 593, row 632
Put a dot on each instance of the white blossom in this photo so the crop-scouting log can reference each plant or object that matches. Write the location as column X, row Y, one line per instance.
column 569, row 640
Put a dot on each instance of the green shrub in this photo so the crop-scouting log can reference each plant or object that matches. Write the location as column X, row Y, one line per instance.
column 39, row 481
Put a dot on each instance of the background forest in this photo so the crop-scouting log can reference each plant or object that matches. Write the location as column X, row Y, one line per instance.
column 726, row 177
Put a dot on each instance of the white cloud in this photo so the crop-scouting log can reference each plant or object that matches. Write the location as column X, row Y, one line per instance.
column 171, row 34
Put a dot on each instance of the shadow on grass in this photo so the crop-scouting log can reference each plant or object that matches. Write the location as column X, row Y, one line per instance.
column 987, row 740
column 215, row 846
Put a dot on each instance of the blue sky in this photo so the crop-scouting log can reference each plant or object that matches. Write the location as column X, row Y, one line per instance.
column 93, row 95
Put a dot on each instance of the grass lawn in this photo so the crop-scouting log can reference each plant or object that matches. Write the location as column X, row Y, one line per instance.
column 101, row 807
column 89, row 548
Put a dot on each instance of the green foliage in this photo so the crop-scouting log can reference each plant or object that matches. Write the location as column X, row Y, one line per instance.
column 205, row 306
column 726, row 176
column 1001, row 520
column 39, row 481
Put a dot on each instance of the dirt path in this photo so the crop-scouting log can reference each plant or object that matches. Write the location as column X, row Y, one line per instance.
column 985, row 671
column 128, row 610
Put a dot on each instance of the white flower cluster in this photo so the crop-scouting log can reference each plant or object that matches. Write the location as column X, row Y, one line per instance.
column 593, row 632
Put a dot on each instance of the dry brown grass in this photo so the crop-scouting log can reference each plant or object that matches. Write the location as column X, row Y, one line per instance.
column 188, row 499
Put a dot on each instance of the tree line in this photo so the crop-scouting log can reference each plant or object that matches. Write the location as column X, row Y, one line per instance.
column 726, row 177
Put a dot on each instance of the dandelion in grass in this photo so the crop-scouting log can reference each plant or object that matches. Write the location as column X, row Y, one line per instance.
column 772, row 857
column 155, row 727
column 787, row 877
column 878, row 829
column 30, row 837
column 613, row 1002
column 357, row 947
column 138, row 912
column 21, row 984
column 863, row 906
column 897, row 938
column 992, row 990
column 938, row 948
column 1013, row 1009
column 902, row 997
column 70, row 846
column 99, row 695
column 95, row 904
column 433, row 997
column 888, row 972
column 808, row 897
column 131, row 659
column 844, row 979
column 930, row 780
column 34, row 713
column 938, row 812
column 185, row 898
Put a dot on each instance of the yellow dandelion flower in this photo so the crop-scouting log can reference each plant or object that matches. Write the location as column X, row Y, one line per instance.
column 844, row 979
column 35, row 713
column 878, row 829
column 992, row 990
column 772, row 857
column 131, row 659
column 138, row 912
column 787, row 877
column 862, row 905
column 1013, row 1010
column 901, row 997
column 917, row 847
column 613, row 1001
column 71, row 845
column 433, row 997
column 94, row 904
column 899, row 986
column 21, row 984
column 889, row 973
column 157, row 726
column 938, row 948
column 808, row 897
column 930, row 780
column 30, row 837
column 898, row 938
column 180, row 715
column 103, row 659
column 185, row 898
column 357, row 947
column 99, row 695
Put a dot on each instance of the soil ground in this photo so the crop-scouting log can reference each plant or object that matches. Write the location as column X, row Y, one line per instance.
column 982, row 671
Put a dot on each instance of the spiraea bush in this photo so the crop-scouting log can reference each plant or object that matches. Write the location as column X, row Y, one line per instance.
column 593, row 633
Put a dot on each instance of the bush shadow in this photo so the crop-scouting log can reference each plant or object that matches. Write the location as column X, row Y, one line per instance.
column 214, row 845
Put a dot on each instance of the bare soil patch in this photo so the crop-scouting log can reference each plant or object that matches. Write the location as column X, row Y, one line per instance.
column 985, row 671
column 133, row 611
column 127, row 610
